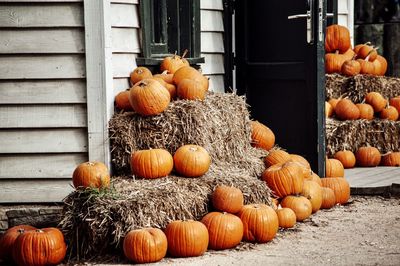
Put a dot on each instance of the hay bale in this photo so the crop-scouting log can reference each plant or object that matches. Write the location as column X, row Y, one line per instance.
column 352, row 134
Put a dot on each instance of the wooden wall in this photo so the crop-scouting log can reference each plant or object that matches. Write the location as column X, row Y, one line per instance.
column 43, row 118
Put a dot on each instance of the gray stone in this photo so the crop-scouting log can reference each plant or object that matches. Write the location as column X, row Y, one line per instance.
column 23, row 212
column 50, row 210
column 3, row 225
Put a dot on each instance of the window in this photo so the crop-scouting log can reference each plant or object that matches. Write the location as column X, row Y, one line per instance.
column 169, row 26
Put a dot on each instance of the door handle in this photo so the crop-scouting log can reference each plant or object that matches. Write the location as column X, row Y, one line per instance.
column 299, row 16
column 330, row 15
column 309, row 16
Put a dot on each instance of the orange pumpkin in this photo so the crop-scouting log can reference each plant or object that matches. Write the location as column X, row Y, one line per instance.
column 225, row 230
column 340, row 187
column 383, row 65
column 286, row 217
column 334, row 168
column 367, row 52
column 190, row 89
column 366, row 111
column 153, row 163
column 367, row 67
column 389, row 113
column 7, row 240
column 333, row 102
column 261, row 136
column 191, row 161
column 312, row 191
column 140, row 73
column 350, row 68
column 276, row 156
column 349, row 54
column 168, row 78
column 376, row 100
column 260, row 223
column 395, row 102
column 328, row 109
column 328, row 198
column 337, row 38
column 346, row 110
column 227, row 199
column 346, row 157
column 334, row 62
column 315, row 178
column 301, row 206
column 368, row 157
column 145, row 245
column 172, row 63
column 305, row 165
column 188, row 72
column 91, row 174
column 391, row 159
column 122, row 101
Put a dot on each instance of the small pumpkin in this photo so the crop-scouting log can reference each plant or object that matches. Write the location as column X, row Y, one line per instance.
column 340, row 187
column 391, row 159
column 190, row 89
column 346, row 110
column 188, row 72
column 312, row 191
column 301, row 206
column 367, row 52
column 261, row 136
column 376, row 100
column 227, row 199
column 225, row 230
column 328, row 109
column 139, row 74
column 186, row 238
column 192, row 161
column 383, row 65
column 167, row 77
column 145, row 245
column 366, row 111
column 367, row 67
column 337, row 37
column 349, row 54
column 122, row 101
column 333, row 102
column 350, row 68
column 328, row 198
column 389, row 113
column 286, row 217
column 334, row 62
column 153, row 163
column 173, row 63
column 368, row 157
column 7, row 240
column 91, row 174
column 276, row 156
column 334, row 168
column 260, row 223
column 347, row 158
column 395, row 102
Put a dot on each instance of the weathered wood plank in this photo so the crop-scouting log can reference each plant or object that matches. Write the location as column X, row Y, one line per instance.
column 212, row 42
column 42, row 67
column 42, row 15
column 31, row 92
column 211, row 21
column 37, row 116
column 43, row 140
column 214, row 64
column 216, row 83
column 42, row 41
column 123, row 65
column 34, row 191
column 124, row 15
column 120, row 84
column 125, row 40
column 211, row 4
column 40, row 166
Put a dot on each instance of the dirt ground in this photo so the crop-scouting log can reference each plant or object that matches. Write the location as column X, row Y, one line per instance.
column 364, row 232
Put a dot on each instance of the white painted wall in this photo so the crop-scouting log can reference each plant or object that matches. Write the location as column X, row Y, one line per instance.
column 346, row 16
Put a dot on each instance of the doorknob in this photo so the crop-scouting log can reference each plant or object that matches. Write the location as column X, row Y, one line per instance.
column 309, row 17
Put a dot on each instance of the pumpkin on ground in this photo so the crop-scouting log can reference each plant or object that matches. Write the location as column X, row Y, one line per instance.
column 376, row 100
column 389, row 113
column 328, row 198
column 122, row 101
column 7, row 240
column 190, row 89
column 366, row 111
column 186, row 238
column 286, row 217
column 225, row 230
column 153, row 163
column 312, row 191
column 260, row 223
column 368, row 157
column 301, row 206
column 139, row 74
column 173, row 63
column 191, row 161
column 145, row 245
column 91, row 175
column 337, row 38
column 39, row 247
column 227, row 199
column 334, row 168
column 346, row 110
column 261, row 136
column 275, row 157
column 347, row 158
column 340, row 187
column 391, row 159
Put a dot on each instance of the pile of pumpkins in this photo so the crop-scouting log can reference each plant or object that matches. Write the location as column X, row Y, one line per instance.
column 341, row 58
column 374, row 105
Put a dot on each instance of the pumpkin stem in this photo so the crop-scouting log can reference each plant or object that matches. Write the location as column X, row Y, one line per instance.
column 184, row 53
column 39, row 231
column 21, row 230
column 165, row 72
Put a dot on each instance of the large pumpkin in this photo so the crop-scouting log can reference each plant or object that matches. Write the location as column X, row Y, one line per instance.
column 188, row 72
column 225, row 230
column 312, row 191
column 276, row 156
column 347, row 158
column 91, row 174
column 389, row 113
column 368, row 157
column 376, row 100
column 305, row 165
column 139, row 74
column 173, row 63
column 328, row 198
column 301, row 206
column 40, row 247
column 260, row 223
column 286, row 217
column 391, row 159
column 340, row 187
column 346, row 110
column 190, row 89
column 284, row 179
column 7, row 240
column 227, row 199
column 186, row 238
column 191, row 161
column 153, row 163
column 262, row 136
column 337, row 38
column 145, row 245
column 315, row 178
column 366, row 111
column 148, row 97
column 334, row 168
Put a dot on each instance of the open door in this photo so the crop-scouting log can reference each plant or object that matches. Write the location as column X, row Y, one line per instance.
column 280, row 69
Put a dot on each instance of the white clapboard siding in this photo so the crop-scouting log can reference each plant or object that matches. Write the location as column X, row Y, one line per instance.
column 41, row 1
column 52, row 92
column 34, row 191
column 120, row 84
column 125, row 40
column 43, row 140
column 38, row 116
column 42, row 67
column 40, row 165
column 214, row 64
column 124, row 1
column 41, row 15
column 211, row 21
column 124, row 15
column 216, row 82
column 123, row 65
column 28, row 41
column 212, row 42
column 211, row 4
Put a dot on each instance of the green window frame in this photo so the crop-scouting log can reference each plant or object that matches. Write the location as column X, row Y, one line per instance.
column 169, row 26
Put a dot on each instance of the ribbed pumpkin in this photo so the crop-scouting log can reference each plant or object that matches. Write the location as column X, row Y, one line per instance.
column 376, row 100
column 328, row 198
column 190, row 89
column 368, row 157
column 315, row 178
column 312, row 191
column 148, row 97
column 367, row 52
column 227, row 199
column 333, row 102
column 346, row 157
column 350, row 68
column 340, row 187
column 389, row 113
column 91, row 174
column 395, row 102
column 260, row 223
column 139, row 74
column 122, row 101
column 276, row 156
column 349, row 54
column 367, row 67
column 225, row 230
column 188, row 72
column 173, row 63
column 153, row 163
column 39, row 247
column 366, row 111
column 286, row 217
column 301, row 206
column 328, row 109
column 334, row 168
column 337, row 38
column 261, row 136
column 284, row 179
column 7, row 240
column 346, row 110
column 168, row 78
column 391, row 159
column 145, row 245
column 191, row 161
column 305, row 165
column 383, row 66
column 186, row 238
column 334, row 62
column 170, row 87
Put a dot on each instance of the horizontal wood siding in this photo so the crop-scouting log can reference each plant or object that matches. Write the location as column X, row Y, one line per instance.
column 43, row 113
